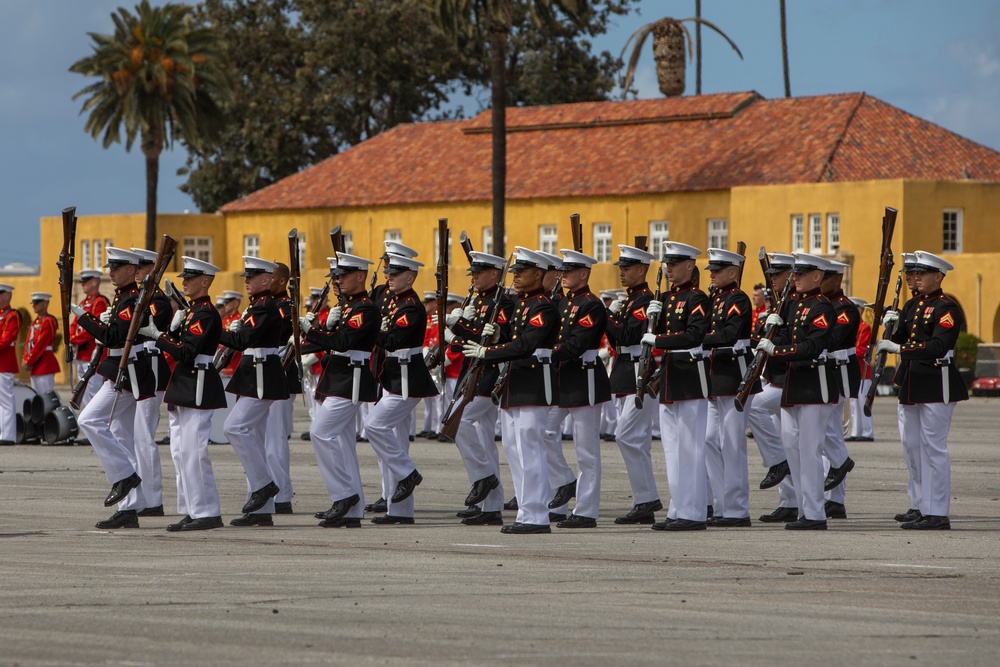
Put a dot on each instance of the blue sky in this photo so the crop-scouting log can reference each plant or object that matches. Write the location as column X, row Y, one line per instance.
column 935, row 59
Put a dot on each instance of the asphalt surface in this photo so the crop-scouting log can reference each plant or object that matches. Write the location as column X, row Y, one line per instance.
column 439, row 593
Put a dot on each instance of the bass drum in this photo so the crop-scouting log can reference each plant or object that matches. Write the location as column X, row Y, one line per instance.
column 24, row 397
column 60, row 426
column 218, row 435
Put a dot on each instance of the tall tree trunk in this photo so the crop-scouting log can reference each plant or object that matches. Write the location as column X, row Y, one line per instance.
column 697, row 47
column 151, row 149
column 498, row 49
column 784, row 49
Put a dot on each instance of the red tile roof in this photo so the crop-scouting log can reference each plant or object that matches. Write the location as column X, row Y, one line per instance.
column 709, row 142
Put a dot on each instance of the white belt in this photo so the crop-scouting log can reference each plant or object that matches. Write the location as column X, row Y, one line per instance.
column 947, row 357
column 589, row 356
column 260, row 352
column 151, row 346
column 543, row 354
column 695, row 352
column 355, row 355
column 736, row 348
column 631, row 350
column 203, row 359
column 843, row 355
column 117, row 352
column 405, row 353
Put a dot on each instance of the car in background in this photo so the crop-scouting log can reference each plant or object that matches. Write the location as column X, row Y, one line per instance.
column 987, row 382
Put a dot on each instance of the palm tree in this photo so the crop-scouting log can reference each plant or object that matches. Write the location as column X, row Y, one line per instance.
column 163, row 78
column 784, row 49
column 668, row 51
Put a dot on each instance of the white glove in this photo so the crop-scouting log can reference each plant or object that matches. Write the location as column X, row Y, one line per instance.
column 765, row 346
column 474, row 350
column 308, row 360
column 305, row 324
column 604, row 353
column 449, row 337
column 105, row 317
column 774, row 320
column 452, row 317
column 335, row 314
column 469, row 312
column 150, row 330
column 490, row 330
column 385, row 324
column 887, row 346
column 235, row 325
column 616, row 306
column 648, row 338
column 178, row 319
column 889, row 318
column 654, row 307
column 76, row 310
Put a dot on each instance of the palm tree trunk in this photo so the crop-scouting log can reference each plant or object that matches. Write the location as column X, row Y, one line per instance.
column 498, row 51
column 784, row 49
column 697, row 47
column 151, row 149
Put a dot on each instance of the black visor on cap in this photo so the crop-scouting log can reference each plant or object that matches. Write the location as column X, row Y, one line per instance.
column 805, row 268
column 923, row 268
column 250, row 273
column 675, row 259
column 190, row 273
column 115, row 263
column 718, row 266
column 775, row 269
column 393, row 270
column 627, row 262
column 524, row 264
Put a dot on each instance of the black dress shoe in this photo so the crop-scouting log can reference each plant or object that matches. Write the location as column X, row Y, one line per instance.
column 388, row 519
column 80, row 442
column 484, row 519
column 260, row 497
column 684, row 524
column 928, row 522
column 525, row 529
column 322, row 514
column 662, row 525
column 641, row 513
column 710, row 512
column 511, row 505
column 11, row 442
column 204, row 523
column 730, row 522
column 781, row 515
column 151, row 511
column 165, row 440
column 342, row 507
column 835, row 510
column 563, row 495
column 121, row 488
column 806, row 524
column 283, row 508
column 556, row 517
column 468, row 512
column 120, row 519
column 424, row 434
column 411, row 438
column 862, row 438
column 377, row 507
column 306, row 436
column 837, row 475
column 343, row 522
column 253, row 520
column 775, row 474
column 480, row 489
column 909, row 515
column 405, row 487
column 577, row 521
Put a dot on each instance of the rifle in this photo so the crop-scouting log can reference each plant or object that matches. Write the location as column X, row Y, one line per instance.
column 884, row 274
column 65, row 264
column 645, row 365
column 765, row 266
column 436, row 356
column 467, row 390
column 756, row 366
column 81, row 385
column 174, row 295
column 741, row 249
column 577, row 229
column 641, row 242
column 294, row 292
column 163, row 256
column 878, row 368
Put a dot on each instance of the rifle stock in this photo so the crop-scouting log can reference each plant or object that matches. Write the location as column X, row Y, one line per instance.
column 765, row 266
column 756, row 367
column 884, row 272
column 294, row 295
column 65, row 264
column 741, row 249
column 878, row 368
column 81, row 385
column 577, row 229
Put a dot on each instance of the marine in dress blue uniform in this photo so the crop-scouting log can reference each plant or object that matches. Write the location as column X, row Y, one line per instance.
column 279, row 421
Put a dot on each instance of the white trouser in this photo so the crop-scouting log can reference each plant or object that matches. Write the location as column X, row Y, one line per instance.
column 92, row 386
column 567, row 425
column 726, row 457
column 634, row 435
column 926, row 434
column 861, row 426
column 609, row 417
column 8, row 411
column 335, row 445
column 361, row 419
column 559, row 472
column 245, row 427
column 432, row 414
column 42, row 384
column 279, row 425
column 309, row 382
column 147, row 419
column 911, row 455
column 113, row 444
column 388, row 432
column 764, row 417
column 522, row 430
column 584, row 422
column 803, row 432
column 478, row 449
column 197, row 493
column 835, row 451
column 682, row 430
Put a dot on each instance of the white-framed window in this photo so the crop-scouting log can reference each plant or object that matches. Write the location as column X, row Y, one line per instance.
column 548, row 239
column 85, row 255
column 98, row 254
column 815, row 233
column 952, row 230
column 393, row 235
column 718, row 233
column 659, row 231
column 251, row 245
column 602, row 241
column 199, row 247
column 488, row 239
column 349, row 243
column 302, row 252
column 437, row 248
column 832, row 233
column 798, row 233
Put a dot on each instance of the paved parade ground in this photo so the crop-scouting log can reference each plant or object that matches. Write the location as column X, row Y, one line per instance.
column 439, row 593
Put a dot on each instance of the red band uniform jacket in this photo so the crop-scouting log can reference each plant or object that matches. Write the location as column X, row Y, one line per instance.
column 38, row 352
column 845, row 338
column 407, row 324
column 583, row 318
column 810, row 333
column 534, row 326
column 472, row 331
column 198, row 334
column 732, row 318
column 114, row 334
column 261, row 328
column 929, row 325
column 84, row 341
column 624, row 330
column 682, row 326
column 357, row 330
column 10, row 326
